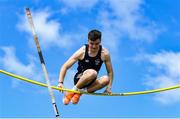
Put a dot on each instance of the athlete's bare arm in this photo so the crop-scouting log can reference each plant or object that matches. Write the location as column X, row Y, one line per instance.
column 107, row 60
column 79, row 54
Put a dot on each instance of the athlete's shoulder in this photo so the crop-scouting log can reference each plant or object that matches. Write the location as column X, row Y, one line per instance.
column 80, row 52
column 82, row 49
column 104, row 51
column 104, row 54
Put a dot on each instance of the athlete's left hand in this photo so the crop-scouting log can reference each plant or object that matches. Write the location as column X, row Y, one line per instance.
column 108, row 91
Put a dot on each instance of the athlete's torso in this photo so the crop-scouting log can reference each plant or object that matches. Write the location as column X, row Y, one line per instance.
column 89, row 62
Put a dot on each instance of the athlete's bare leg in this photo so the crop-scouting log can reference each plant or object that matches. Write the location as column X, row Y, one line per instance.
column 87, row 76
column 98, row 84
column 85, row 79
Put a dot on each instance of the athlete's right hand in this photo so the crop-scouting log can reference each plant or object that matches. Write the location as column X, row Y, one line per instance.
column 60, row 85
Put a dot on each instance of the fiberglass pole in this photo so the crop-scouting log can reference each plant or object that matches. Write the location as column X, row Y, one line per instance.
column 28, row 13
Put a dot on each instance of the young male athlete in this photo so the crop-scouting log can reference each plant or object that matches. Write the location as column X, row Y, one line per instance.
column 90, row 58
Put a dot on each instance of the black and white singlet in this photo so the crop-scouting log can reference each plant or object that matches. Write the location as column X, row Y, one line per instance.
column 89, row 62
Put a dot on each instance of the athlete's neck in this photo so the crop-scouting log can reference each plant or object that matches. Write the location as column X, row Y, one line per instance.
column 93, row 53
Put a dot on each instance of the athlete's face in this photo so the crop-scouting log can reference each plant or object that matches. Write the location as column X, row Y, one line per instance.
column 94, row 45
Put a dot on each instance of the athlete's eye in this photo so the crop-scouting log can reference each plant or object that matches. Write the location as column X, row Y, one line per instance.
column 92, row 43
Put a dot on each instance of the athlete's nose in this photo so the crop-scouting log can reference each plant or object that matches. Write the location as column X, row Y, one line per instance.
column 93, row 46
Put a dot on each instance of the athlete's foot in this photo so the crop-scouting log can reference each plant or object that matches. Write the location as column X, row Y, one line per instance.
column 67, row 97
column 75, row 98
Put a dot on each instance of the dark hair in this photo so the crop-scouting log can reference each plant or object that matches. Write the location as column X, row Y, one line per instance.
column 94, row 34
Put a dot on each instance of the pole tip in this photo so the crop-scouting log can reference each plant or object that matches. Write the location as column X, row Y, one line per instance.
column 27, row 8
column 28, row 11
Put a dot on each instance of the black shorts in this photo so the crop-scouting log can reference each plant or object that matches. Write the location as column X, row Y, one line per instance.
column 77, row 77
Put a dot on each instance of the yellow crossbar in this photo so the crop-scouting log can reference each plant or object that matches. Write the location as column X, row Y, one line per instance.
column 100, row 94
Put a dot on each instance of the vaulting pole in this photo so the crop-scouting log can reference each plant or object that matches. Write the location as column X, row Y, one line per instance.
column 28, row 13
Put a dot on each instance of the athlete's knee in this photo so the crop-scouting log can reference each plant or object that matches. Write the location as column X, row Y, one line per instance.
column 91, row 73
column 105, row 80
